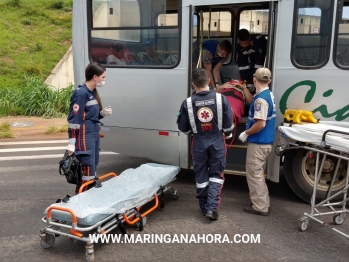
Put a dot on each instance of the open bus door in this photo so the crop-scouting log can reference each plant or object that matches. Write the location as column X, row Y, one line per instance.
column 222, row 22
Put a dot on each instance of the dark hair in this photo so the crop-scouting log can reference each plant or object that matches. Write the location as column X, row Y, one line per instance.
column 118, row 47
column 243, row 34
column 226, row 46
column 199, row 77
column 91, row 70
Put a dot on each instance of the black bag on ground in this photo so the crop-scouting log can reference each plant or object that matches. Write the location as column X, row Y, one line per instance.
column 71, row 168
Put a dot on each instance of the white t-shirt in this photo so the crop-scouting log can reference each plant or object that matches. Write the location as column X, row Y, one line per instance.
column 113, row 59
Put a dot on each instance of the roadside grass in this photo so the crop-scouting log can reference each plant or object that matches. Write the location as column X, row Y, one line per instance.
column 5, row 131
column 55, row 129
column 35, row 99
column 35, row 35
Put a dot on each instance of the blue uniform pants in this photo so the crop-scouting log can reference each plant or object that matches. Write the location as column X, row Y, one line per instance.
column 209, row 160
column 87, row 147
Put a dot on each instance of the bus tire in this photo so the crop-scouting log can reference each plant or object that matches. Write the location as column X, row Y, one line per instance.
column 299, row 171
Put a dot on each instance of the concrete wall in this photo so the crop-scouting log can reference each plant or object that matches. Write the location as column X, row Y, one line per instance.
column 63, row 74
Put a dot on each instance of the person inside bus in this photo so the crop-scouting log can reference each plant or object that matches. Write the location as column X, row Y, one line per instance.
column 259, row 133
column 150, row 57
column 250, row 55
column 83, row 121
column 117, row 57
column 214, row 55
column 207, row 116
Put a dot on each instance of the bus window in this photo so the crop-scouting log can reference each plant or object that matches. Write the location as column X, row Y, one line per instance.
column 311, row 33
column 255, row 21
column 341, row 49
column 150, row 39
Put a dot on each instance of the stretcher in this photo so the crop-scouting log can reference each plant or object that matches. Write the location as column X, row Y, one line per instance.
column 326, row 139
column 116, row 202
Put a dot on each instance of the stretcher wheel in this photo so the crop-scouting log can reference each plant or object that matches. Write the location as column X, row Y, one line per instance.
column 48, row 241
column 90, row 257
column 138, row 225
column 175, row 195
column 302, row 225
column 338, row 219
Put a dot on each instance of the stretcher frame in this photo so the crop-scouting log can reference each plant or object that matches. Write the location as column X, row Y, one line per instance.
column 104, row 226
column 337, row 208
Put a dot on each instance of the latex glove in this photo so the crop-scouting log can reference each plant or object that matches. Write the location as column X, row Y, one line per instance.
column 107, row 111
column 230, row 136
column 243, row 136
column 70, row 149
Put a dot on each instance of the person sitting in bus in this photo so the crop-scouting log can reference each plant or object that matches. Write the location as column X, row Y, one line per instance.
column 150, row 57
column 214, row 55
column 117, row 56
column 250, row 56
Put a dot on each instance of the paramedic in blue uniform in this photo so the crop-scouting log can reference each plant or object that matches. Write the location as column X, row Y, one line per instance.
column 259, row 134
column 250, row 56
column 214, row 54
column 207, row 116
column 83, row 120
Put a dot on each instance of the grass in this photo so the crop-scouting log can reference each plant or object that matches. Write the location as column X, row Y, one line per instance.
column 35, row 99
column 35, row 35
column 5, row 131
column 55, row 129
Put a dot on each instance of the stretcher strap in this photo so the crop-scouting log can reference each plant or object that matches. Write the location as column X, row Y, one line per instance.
column 162, row 202
column 139, row 215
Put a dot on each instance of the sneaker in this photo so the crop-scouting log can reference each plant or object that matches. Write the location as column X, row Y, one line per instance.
column 212, row 215
column 251, row 210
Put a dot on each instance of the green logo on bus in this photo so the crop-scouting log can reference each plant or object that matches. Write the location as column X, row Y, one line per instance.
column 340, row 114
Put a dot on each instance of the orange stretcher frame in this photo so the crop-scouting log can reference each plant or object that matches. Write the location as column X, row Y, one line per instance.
column 84, row 185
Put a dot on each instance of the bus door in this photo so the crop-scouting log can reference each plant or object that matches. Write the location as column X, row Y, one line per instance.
column 222, row 22
column 140, row 44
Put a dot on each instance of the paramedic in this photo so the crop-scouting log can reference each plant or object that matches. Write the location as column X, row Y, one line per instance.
column 214, row 55
column 259, row 134
column 207, row 116
column 83, row 120
column 250, row 56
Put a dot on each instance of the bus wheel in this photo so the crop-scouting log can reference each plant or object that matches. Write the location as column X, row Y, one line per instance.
column 299, row 170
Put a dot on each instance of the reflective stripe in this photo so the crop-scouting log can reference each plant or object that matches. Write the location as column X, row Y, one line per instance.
column 191, row 115
column 229, row 129
column 202, row 185
column 216, row 180
column 92, row 102
column 77, row 126
column 272, row 116
column 72, row 141
column 219, row 110
column 249, row 85
column 188, row 132
column 258, row 66
column 87, row 178
column 268, row 118
column 244, row 67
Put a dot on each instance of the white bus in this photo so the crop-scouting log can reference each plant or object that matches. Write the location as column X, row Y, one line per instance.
column 308, row 54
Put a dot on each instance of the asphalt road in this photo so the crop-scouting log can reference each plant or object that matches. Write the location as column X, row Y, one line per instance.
column 29, row 186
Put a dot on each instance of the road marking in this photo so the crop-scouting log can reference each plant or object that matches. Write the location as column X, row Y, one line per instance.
column 8, row 158
column 30, row 149
column 34, row 142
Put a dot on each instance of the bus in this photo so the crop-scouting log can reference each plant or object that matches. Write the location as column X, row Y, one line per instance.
column 307, row 53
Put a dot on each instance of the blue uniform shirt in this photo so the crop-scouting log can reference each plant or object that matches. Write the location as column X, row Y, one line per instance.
column 84, row 108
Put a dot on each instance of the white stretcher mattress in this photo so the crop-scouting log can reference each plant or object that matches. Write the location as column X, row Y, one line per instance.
column 312, row 133
column 132, row 188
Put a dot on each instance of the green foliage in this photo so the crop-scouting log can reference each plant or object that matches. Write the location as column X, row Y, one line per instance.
column 5, row 131
column 35, row 99
column 55, row 129
column 35, row 35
